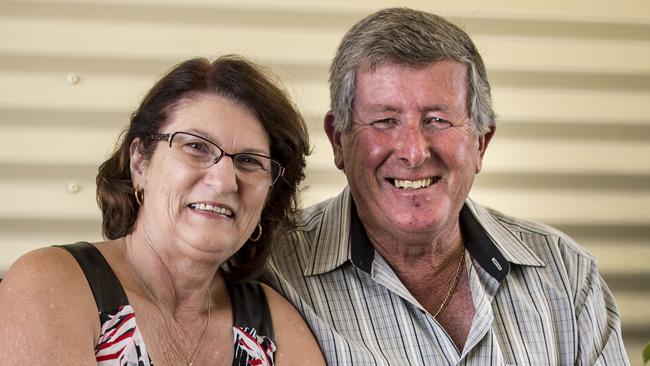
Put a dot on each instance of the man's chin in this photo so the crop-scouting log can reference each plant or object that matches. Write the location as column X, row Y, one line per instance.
column 412, row 225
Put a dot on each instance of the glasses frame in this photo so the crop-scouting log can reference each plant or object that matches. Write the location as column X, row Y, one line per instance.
column 169, row 137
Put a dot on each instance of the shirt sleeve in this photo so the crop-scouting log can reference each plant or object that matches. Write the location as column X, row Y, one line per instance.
column 600, row 339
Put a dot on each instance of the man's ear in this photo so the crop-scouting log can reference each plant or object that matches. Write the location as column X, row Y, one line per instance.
column 483, row 142
column 138, row 163
column 335, row 139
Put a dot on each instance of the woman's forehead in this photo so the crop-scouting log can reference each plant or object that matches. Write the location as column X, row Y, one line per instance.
column 221, row 120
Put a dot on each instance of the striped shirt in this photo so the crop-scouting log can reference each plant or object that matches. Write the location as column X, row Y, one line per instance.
column 538, row 297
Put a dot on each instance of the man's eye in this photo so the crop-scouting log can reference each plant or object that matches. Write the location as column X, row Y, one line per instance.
column 438, row 123
column 383, row 123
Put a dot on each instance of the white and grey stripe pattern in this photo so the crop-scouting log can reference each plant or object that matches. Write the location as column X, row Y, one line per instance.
column 538, row 296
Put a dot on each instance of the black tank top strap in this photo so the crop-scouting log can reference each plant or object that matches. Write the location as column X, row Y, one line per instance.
column 107, row 289
column 250, row 307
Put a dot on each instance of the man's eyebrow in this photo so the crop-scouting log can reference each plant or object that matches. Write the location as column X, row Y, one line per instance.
column 378, row 108
column 435, row 108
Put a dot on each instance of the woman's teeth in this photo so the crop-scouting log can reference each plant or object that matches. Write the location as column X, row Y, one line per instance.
column 210, row 208
column 412, row 184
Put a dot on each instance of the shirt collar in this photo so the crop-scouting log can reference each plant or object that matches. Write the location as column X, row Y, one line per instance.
column 362, row 253
column 507, row 242
column 341, row 237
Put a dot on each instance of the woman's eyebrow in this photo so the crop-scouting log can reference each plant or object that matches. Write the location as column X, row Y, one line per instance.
column 250, row 150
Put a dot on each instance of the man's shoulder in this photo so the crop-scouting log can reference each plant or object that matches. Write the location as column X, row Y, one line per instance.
column 524, row 225
column 325, row 215
column 537, row 235
column 332, row 212
column 532, row 245
column 308, row 218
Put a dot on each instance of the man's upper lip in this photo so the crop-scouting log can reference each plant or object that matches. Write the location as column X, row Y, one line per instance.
column 420, row 177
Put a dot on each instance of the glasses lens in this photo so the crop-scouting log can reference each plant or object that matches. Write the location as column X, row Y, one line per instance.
column 252, row 169
column 194, row 150
column 256, row 169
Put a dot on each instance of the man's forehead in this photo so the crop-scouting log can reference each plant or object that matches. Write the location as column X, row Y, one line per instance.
column 443, row 73
column 371, row 66
column 437, row 86
column 389, row 108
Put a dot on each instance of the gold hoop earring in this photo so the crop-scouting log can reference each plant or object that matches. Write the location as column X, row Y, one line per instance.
column 259, row 235
column 139, row 195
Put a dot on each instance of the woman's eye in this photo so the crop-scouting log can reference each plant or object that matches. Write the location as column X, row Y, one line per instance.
column 249, row 162
column 196, row 147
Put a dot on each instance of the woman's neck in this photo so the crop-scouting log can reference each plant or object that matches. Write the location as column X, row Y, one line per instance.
column 174, row 282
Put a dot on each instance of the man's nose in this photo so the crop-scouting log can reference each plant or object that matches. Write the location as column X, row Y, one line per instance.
column 412, row 146
column 222, row 175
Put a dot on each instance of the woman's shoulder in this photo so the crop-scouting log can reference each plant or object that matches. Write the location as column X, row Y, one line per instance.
column 274, row 298
column 46, row 275
column 42, row 269
column 44, row 304
column 292, row 333
column 286, row 318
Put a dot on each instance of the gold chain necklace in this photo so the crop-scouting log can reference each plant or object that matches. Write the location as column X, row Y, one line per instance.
column 195, row 352
column 190, row 360
column 453, row 284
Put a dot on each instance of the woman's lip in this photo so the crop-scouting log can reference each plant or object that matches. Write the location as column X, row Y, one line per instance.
column 212, row 207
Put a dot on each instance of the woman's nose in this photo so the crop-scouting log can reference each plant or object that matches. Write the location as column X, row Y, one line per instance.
column 222, row 175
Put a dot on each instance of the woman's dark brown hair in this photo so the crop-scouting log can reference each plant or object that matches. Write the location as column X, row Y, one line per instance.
column 241, row 81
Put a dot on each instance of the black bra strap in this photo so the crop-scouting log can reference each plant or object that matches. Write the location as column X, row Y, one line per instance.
column 250, row 307
column 107, row 290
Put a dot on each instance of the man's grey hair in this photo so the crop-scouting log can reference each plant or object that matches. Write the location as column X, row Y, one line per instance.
column 402, row 36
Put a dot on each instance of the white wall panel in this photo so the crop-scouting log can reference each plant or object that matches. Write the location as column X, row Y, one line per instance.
column 604, row 10
column 132, row 39
column 571, row 87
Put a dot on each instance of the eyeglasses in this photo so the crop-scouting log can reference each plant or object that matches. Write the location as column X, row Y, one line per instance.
column 199, row 152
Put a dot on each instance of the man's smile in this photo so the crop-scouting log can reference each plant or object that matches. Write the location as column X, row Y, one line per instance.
column 413, row 184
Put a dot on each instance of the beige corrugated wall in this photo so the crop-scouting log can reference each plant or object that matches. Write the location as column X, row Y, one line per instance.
column 571, row 83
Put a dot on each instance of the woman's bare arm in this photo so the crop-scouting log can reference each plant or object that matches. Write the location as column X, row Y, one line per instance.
column 47, row 312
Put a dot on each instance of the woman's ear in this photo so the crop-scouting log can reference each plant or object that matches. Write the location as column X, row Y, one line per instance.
column 138, row 163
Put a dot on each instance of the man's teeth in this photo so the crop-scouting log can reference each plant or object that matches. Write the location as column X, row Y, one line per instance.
column 208, row 207
column 413, row 184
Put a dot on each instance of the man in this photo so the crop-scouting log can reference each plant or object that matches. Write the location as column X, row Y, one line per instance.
column 402, row 268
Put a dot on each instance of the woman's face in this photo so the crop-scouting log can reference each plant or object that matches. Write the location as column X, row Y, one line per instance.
column 202, row 211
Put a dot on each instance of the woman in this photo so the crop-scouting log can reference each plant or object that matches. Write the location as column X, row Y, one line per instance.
column 206, row 171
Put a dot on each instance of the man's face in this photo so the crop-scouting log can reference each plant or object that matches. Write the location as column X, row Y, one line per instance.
column 412, row 153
